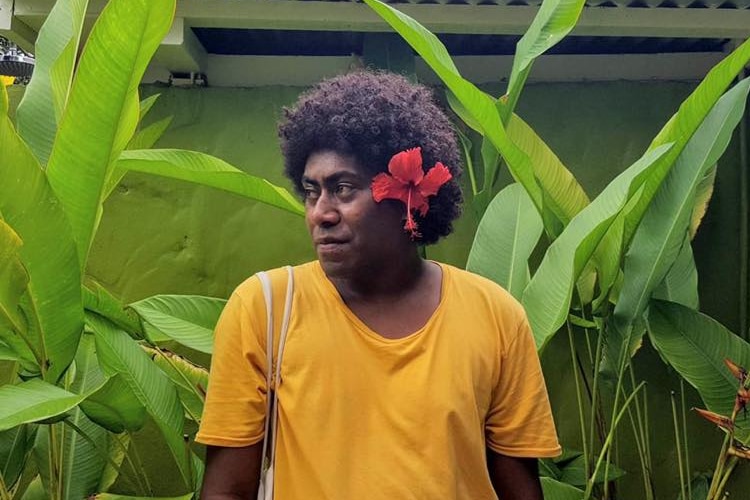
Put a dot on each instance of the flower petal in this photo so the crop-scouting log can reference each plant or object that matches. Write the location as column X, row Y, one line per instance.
column 386, row 187
column 720, row 420
column 436, row 177
column 406, row 166
column 739, row 372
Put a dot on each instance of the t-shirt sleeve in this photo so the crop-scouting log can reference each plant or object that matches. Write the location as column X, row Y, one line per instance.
column 519, row 422
column 235, row 407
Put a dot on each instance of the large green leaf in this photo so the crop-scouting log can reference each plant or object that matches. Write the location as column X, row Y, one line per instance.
column 100, row 119
column 480, row 106
column 13, row 277
column 207, row 170
column 556, row 490
column 696, row 345
column 188, row 319
column 680, row 285
column 563, row 195
column 552, row 23
column 681, row 127
column 191, row 380
column 46, row 95
column 505, row 238
column 97, row 299
column 547, row 297
column 48, row 254
column 144, row 138
column 702, row 197
column 121, row 355
column 82, row 458
column 115, row 406
column 32, row 401
column 15, row 446
column 661, row 234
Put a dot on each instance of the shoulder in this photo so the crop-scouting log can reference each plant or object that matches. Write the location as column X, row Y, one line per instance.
column 485, row 290
column 250, row 289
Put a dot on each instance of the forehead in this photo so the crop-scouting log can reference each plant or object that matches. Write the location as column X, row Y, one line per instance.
column 322, row 165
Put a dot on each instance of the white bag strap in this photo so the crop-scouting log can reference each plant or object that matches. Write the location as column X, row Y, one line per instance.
column 273, row 403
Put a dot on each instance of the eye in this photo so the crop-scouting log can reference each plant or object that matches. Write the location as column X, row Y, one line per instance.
column 344, row 190
column 310, row 193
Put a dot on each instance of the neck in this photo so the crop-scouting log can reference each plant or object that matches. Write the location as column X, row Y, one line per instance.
column 389, row 279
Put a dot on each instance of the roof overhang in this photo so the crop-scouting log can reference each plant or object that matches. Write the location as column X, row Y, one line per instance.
column 182, row 52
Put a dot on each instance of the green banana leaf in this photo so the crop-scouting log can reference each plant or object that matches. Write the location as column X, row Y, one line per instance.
column 556, row 490
column 82, row 459
column 680, row 285
column 696, row 345
column 661, row 234
column 32, row 401
column 118, row 447
column 97, row 299
column 99, row 120
column 554, row 20
column 46, row 95
column 191, row 380
column 702, row 197
column 15, row 446
column 206, row 170
column 681, row 127
column 564, row 196
column 115, row 407
column 48, row 254
column 548, row 294
column 144, row 138
column 188, row 319
column 120, row 355
column 505, row 238
column 13, row 277
column 477, row 103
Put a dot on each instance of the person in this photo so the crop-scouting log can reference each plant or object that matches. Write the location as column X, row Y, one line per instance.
column 401, row 378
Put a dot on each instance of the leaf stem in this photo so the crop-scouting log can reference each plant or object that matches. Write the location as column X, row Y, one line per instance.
column 4, row 493
column 98, row 450
column 579, row 397
column 685, row 437
column 610, row 437
column 680, row 466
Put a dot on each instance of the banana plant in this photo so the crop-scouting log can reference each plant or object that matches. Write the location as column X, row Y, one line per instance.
column 90, row 371
column 608, row 257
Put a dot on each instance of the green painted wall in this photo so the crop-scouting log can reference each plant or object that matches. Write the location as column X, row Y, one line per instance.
column 163, row 236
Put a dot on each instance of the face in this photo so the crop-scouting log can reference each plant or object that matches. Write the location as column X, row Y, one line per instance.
column 351, row 233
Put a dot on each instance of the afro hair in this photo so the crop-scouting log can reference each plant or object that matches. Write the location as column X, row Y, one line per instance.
column 372, row 116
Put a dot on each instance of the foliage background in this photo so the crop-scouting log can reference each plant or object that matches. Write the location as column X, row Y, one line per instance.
column 163, row 236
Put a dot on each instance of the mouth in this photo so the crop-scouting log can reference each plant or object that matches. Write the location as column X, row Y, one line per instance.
column 330, row 248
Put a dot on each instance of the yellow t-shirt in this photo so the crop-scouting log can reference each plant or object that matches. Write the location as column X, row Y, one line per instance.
column 365, row 417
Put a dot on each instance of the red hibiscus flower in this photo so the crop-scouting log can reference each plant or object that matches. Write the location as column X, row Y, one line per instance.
column 408, row 182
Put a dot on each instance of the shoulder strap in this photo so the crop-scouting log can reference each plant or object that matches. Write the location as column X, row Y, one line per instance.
column 274, row 378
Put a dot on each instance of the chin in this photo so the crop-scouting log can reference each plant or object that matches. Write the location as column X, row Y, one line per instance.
column 336, row 268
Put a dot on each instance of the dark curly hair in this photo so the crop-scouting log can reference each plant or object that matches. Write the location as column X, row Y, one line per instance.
column 372, row 116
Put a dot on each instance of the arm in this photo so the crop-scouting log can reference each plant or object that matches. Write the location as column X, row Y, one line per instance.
column 232, row 473
column 514, row 478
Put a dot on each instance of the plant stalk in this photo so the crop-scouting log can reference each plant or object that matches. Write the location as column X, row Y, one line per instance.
column 579, row 398
column 683, row 489
column 685, row 437
column 608, row 442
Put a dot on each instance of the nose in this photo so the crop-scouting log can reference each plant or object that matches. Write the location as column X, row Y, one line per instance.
column 323, row 211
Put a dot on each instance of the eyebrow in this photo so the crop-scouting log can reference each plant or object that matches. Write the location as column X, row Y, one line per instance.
column 332, row 179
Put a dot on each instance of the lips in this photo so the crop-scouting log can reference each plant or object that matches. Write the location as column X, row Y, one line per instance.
column 330, row 247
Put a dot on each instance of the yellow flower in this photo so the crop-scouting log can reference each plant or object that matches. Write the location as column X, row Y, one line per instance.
column 7, row 80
